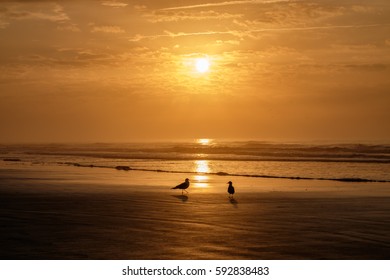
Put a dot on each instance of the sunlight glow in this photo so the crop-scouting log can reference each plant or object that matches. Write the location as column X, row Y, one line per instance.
column 202, row 166
column 203, row 141
column 201, row 180
column 202, row 65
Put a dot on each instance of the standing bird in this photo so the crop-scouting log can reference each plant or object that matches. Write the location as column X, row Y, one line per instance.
column 183, row 186
column 230, row 189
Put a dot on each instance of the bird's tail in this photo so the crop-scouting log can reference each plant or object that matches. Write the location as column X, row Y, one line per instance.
column 174, row 188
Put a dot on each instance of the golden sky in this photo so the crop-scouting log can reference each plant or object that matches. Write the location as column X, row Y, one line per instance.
column 126, row 70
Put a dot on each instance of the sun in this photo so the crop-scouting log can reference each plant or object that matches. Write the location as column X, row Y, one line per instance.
column 202, row 65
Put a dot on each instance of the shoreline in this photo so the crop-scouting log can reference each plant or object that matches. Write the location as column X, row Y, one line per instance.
column 222, row 174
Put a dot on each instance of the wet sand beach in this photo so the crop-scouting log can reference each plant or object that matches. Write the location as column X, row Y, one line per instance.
column 80, row 213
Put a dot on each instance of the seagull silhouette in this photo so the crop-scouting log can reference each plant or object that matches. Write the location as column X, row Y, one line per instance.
column 183, row 186
column 230, row 189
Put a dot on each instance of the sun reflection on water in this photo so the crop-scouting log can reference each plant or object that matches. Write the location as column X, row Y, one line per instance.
column 201, row 180
column 204, row 141
column 202, row 166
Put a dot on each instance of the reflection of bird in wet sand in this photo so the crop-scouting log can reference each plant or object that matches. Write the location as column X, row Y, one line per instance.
column 230, row 189
column 183, row 186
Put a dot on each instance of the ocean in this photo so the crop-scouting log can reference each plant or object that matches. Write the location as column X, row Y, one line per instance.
column 290, row 161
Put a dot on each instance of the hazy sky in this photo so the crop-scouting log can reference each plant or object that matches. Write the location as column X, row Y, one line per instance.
column 125, row 70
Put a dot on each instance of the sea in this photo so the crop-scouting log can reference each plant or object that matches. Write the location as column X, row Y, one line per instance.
column 347, row 162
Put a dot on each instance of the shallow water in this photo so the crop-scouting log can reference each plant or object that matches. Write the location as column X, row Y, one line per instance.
column 344, row 162
column 64, row 212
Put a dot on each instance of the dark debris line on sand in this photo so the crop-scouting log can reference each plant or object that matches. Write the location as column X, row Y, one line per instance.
column 128, row 168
